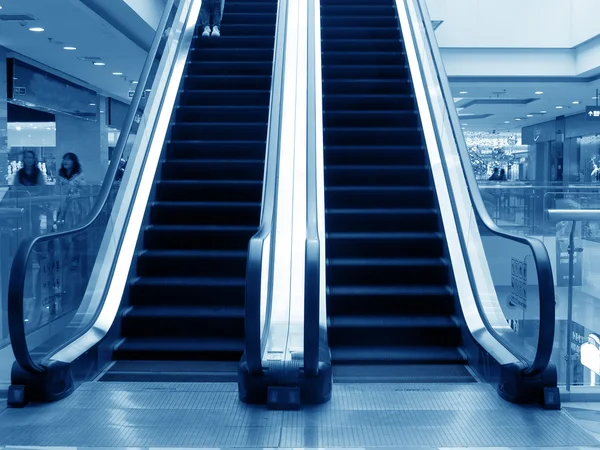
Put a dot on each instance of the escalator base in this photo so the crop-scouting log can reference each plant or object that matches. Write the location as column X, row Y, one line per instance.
column 172, row 371
column 417, row 373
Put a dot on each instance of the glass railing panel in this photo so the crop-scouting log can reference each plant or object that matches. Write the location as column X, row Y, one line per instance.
column 59, row 296
column 510, row 275
column 575, row 251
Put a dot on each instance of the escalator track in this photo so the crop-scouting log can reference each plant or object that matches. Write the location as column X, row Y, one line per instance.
column 187, row 302
column 390, row 302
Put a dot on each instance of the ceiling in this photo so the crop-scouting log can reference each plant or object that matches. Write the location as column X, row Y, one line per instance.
column 71, row 23
column 488, row 105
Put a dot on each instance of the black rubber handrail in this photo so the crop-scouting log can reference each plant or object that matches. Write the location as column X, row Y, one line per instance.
column 540, row 254
column 18, row 272
column 312, row 256
column 255, row 338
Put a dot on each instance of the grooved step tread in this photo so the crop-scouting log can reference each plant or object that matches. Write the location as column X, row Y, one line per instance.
column 185, row 312
column 399, row 262
column 189, row 281
column 389, row 290
column 383, row 236
column 342, row 321
column 187, row 228
column 181, row 344
column 404, row 354
column 195, row 253
column 205, row 204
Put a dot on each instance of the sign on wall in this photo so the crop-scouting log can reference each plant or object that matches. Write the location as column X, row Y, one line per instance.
column 519, row 283
column 563, row 230
column 593, row 113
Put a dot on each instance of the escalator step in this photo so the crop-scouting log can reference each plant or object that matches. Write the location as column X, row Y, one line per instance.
column 370, row 197
column 180, row 349
column 205, row 213
column 373, row 245
column 190, row 263
column 221, row 149
column 396, row 355
column 405, row 373
column 178, row 291
column 183, row 322
column 394, row 300
column 197, row 237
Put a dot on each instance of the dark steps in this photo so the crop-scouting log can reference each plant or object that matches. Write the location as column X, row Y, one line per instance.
column 390, row 303
column 187, row 303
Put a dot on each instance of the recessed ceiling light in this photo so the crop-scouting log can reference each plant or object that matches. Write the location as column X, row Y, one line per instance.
column 517, row 119
column 464, row 124
column 35, row 128
column 543, row 112
column 92, row 104
column 134, row 82
column 529, row 115
column 36, row 29
column 539, row 92
column 463, row 92
column 70, row 48
column 507, row 121
column 117, row 73
column 576, row 103
column 18, row 128
column 559, row 107
column 99, row 64
column 48, row 128
column 0, row 7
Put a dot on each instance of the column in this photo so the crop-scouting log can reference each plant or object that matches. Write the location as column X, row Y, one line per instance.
column 3, row 118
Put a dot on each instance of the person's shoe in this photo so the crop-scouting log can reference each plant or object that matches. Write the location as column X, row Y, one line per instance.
column 216, row 32
column 206, row 32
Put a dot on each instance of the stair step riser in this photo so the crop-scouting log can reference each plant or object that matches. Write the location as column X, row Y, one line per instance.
column 219, row 114
column 389, row 21
column 175, row 266
column 186, row 295
column 376, row 177
column 345, row 136
column 203, row 53
column 375, row 59
column 374, row 156
column 384, row 275
column 385, row 248
column 420, row 305
column 216, row 150
column 182, row 327
column 199, row 240
column 236, row 131
column 227, row 41
column 226, row 98
column 366, row 104
column 371, row 119
column 149, row 354
column 209, row 193
column 166, row 214
column 329, row 10
column 358, row 222
column 378, row 199
column 378, row 335
column 203, row 171
column 365, row 72
column 209, row 83
column 357, row 45
column 230, row 68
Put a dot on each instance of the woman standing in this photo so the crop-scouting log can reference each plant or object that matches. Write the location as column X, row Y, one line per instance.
column 211, row 13
column 30, row 174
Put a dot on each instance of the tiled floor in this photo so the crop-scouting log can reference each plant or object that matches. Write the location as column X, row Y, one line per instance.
column 185, row 415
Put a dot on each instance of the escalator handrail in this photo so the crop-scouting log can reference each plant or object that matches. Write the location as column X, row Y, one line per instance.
column 540, row 254
column 18, row 270
column 255, row 338
column 312, row 262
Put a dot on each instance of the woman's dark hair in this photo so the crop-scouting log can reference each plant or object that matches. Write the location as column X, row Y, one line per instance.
column 76, row 166
column 26, row 179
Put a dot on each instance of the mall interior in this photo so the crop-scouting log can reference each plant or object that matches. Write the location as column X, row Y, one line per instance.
column 318, row 224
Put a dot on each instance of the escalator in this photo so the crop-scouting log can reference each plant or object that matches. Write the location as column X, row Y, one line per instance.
column 187, row 302
column 390, row 301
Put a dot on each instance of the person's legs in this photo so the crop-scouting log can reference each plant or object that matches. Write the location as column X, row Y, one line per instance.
column 216, row 16
column 205, row 17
